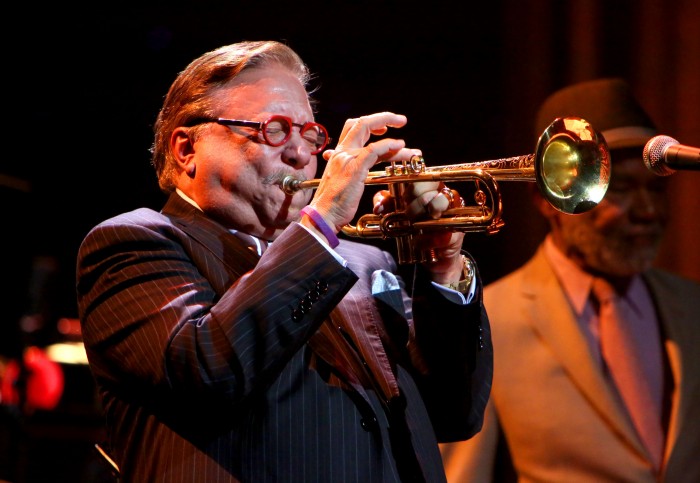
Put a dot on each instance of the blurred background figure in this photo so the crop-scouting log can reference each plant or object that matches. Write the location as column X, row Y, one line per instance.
column 566, row 405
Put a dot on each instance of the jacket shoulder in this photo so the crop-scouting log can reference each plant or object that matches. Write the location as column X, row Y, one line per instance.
column 670, row 280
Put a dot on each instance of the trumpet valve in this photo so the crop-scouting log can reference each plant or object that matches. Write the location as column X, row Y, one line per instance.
column 415, row 165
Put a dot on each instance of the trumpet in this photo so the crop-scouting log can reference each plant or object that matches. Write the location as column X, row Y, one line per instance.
column 571, row 166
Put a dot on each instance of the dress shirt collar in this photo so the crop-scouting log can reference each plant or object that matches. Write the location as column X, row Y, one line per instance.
column 577, row 283
column 188, row 199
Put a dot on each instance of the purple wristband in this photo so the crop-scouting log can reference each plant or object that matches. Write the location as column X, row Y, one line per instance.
column 321, row 224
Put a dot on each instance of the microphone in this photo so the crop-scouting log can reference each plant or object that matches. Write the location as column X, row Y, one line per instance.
column 663, row 155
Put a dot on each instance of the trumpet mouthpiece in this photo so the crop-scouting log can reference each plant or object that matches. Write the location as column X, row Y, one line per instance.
column 290, row 184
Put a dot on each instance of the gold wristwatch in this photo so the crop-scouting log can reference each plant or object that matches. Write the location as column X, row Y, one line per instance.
column 467, row 277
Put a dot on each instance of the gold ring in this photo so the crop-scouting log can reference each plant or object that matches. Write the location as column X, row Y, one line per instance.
column 447, row 193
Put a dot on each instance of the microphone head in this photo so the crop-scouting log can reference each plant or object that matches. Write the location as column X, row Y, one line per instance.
column 654, row 155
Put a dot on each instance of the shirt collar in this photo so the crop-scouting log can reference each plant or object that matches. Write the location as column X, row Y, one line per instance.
column 577, row 283
column 188, row 199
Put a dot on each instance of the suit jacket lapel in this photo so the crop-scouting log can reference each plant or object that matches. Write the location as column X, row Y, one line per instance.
column 358, row 315
column 358, row 350
column 551, row 316
column 226, row 247
column 329, row 344
column 674, row 320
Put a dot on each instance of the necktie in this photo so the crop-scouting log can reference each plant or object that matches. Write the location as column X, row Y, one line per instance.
column 632, row 354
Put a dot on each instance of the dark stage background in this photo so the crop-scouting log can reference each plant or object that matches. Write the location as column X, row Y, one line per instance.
column 83, row 87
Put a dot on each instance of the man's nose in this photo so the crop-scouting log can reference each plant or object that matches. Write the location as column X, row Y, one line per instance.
column 297, row 151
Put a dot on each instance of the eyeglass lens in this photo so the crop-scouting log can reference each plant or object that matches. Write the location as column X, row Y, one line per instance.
column 278, row 129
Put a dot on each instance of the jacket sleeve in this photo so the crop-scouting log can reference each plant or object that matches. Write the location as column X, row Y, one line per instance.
column 154, row 324
column 454, row 342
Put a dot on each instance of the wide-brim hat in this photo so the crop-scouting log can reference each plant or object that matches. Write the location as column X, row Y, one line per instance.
column 608, row 105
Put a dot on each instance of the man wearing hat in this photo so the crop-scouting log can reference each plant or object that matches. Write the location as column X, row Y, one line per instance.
column 566, row 404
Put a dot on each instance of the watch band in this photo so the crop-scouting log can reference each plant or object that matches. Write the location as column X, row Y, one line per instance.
column 467, row 274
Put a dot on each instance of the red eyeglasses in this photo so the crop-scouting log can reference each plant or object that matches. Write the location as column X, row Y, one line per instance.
column 278, row 129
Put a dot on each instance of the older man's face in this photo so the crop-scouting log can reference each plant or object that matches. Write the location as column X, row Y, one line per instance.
column 620, row 236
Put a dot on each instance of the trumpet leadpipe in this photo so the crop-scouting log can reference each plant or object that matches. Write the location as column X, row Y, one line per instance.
column 516, row 168
column 571, row 166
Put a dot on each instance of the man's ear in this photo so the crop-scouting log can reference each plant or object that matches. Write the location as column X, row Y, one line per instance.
column 182, row 148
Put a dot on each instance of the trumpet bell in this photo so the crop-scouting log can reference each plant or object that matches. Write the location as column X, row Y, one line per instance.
column 572, row 165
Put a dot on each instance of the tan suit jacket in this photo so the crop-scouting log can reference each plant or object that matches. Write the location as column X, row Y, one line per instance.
column 550, row 398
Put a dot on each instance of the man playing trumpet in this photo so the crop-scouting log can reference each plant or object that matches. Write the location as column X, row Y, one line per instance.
column 233, row 337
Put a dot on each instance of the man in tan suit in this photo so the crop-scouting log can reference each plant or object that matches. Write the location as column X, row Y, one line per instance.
column 555, row 414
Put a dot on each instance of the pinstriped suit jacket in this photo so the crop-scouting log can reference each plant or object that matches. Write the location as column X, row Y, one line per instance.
column 212, row 371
